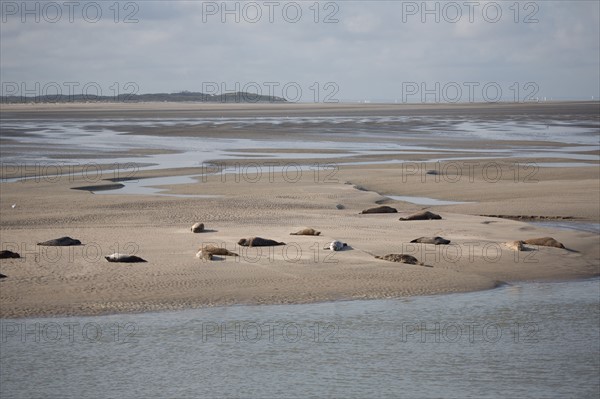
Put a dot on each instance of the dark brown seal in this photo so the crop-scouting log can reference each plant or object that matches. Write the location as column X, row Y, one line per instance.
column 60, row 242
column 124, row 258
column 380, row 209
column 9, row 255
column 258, row 242
column 424, row 215
column 431, row 240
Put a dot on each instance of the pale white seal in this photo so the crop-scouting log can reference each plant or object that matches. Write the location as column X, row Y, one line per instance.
column 336, row 245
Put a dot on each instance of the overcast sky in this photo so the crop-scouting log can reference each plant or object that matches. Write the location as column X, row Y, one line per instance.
column 339, row 50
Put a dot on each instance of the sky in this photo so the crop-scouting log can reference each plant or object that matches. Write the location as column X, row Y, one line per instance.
column 308, row 51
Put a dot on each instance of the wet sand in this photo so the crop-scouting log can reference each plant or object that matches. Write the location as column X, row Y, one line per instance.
column 77, row 280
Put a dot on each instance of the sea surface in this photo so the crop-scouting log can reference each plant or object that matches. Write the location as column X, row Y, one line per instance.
column 530, row 340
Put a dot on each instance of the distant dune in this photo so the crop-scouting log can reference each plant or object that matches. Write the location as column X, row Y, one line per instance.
column 184, row 96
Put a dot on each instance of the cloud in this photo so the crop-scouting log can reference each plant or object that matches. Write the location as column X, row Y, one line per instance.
column 369, row 52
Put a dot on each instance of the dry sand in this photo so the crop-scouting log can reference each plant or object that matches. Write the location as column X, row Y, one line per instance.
column 78, row 281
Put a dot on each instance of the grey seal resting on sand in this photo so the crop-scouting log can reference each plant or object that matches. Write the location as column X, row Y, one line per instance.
column 544, row 242
column 306, row 232
column 198, row 228
column 60, row 242
column 431, row 240
column 207, row 250
column 258, row 242
column 425, row 215
column 401, row 258
column 380, row 209
column 336, row 245
column 124, row 258
column 9, row 255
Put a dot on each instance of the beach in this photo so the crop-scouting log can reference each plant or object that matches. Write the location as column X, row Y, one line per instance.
column 359, row 162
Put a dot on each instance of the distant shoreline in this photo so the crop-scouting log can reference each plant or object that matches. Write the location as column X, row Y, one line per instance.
column 185, row 96
column 268, row 109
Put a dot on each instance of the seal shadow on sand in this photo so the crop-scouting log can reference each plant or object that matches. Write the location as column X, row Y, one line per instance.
column 215, row 258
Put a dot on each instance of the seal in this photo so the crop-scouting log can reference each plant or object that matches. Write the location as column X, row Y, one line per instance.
column 207, row 250
column 431, row 240
column 9, row 255
column 336, row 245
column 424, row 215
column 402, row 258
column 544, row 242
column 306, row 232
column 258, row 242
column 124, row 258
column 380, row 209
column 198, row 228
column 60, row 242
column 204, row 255
column 515, row 245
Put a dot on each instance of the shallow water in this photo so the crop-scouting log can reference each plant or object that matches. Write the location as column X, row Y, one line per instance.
column 148, row 187
column 589, row 227
column 521, row 341
column 44, row 140
column 425, row 200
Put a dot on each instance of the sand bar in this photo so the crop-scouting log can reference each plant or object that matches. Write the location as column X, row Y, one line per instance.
column 77, row 280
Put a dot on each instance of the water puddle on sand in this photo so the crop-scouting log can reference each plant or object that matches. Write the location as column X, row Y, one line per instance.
column 564, row 164
column 147, row 187
column 426, row 200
